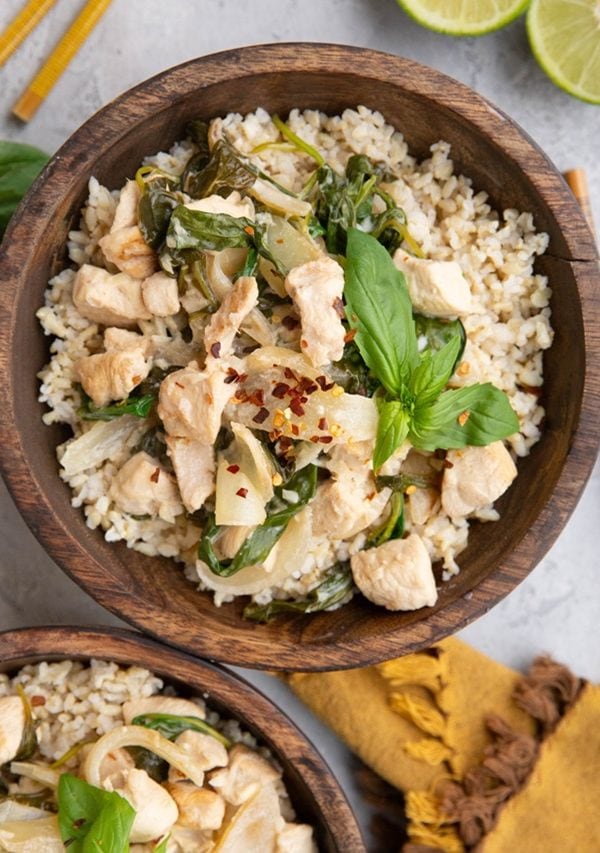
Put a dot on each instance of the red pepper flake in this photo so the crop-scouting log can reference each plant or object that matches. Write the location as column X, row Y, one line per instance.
column 280, row 390
column 350, row 335
column 275, row 435
column 290, row 322
column 289, row 374
column 309, row 387
column 249, row 230
column 241, row 493
column 36, row 701
column 448, row 464
column 279, row 240
column 179, row 385
column 325, row 439
column 464, row 417
column 338, row 307
column 314, row 439
column 285, row 444
column 261, row 416
column 240, row 397
column 155, row 475
column 215, row 349
column 323, row 384
column 323, row 424
column 233, row 469
column 296, row 406
column 232, row 376
column 257, row 397
column 295, row 429
column 303, row 343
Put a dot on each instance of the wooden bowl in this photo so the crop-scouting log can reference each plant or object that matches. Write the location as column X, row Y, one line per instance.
column 153, row 594
column 314, row 791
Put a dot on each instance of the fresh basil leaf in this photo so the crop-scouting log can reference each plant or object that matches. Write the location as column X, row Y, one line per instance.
column 378, row 307
column 154, row 213
column 172, row 725
column 437, row 332
column 195, row 229
column 19, row 166
column 138, row 406
column 431, row 376
column 476, row 415
column 91, row 819
column 392, row 429
column 258, row 545
column 223, row 172
column 337, row 585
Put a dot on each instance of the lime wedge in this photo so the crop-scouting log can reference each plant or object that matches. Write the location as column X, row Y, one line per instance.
column 565, row 39
column 464, row 17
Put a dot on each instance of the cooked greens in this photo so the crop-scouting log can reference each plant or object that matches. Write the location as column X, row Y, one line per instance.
column 91, row 819
column 138, row 406
column 172, row 725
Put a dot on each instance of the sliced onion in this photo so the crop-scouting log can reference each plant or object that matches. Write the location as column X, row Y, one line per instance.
column 104, row 440
column 275, row 199
column 38, row 772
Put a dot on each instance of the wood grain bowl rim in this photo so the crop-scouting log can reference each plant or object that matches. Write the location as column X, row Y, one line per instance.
column 221, row 687
column 154, row 96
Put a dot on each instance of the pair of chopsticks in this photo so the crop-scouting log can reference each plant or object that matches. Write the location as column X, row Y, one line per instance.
column 43, row 82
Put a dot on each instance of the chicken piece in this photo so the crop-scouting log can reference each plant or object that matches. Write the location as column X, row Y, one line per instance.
column 246, row 773
column 116, row 339
column 347, row 504
column 12, row 726
column 162, row 705
column 115, row 768
column 113, row 375
column 143, row 487
column 477, row 477
column 226, row 321
column 233, row 205
column 316, row 289
column 191, row 401
column 113, row 300
column 199, row 808
column 160, row 295
column 156, row 810
column 127, row 250
column 437, row 288
column 295, row 838
column 254, row 825
column 194, row 465
column 397, row 575
column 126, row 213
column 422, row 504
column 206, row 751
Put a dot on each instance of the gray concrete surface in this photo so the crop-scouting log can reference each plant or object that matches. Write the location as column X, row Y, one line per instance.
column 556, row 609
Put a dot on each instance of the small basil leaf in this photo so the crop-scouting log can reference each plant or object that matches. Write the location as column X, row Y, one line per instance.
column 431, row 376
column 195, row 229
column 476, row 415
column 91, row 819
column 378, row 307
column 19, row 166
column 331, row 591
column 392, row 429
column 438, row 332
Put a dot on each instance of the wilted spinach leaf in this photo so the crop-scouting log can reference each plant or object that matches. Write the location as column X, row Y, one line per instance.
column 336, row 586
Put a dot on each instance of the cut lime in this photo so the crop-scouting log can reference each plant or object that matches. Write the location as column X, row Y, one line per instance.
column 565, row 39
column 464, row 17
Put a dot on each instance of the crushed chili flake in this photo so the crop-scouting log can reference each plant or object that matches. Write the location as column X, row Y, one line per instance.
column 215, row 349
column 155, row 475
column 233, row 469
column 136, row 380
column 179, row 385
column 322, row 423
column 295, row 429
column 448, row 464
column 280, row 390
column 463, row 368
column 285, row 444
column 464, row 417
column 323, row 384
column 274, row 435
column 350, row 335
column 240, row 397
column 232, row 376
column 290, row 322
column 337, row 390
column 410, row 490
column 261, row 416
column 289, row 374
column 336, row 430
column 307, row 386
column 37, row 700
column 325, row 439
column 338, row 306
column 249, row 230
column 242, row 493
column 303, row 343
column 296, row 406
column 314, row 439
column 278, row 418
column 257, row 397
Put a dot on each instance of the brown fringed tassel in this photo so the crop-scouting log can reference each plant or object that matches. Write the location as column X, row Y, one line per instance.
column 388, row 824
column 547, row 692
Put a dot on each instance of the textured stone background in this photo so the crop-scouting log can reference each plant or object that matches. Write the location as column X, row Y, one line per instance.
column 557, row 608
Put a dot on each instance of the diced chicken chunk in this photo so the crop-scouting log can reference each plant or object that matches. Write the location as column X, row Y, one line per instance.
column 246, row 773
column 477, row 477
column 155, row 809
column 115, row 767
column 438, row 288
column 422, row 504
column 295, row 838
column 233, row 205
column 160, row 295
column 191, row 401
column 143, row 487
column 126, row 213
column 194, row 465
column 162, row 705
column 206, row 750
column 344, row 507
column 113, row 375
column 127, row 250
column 226, row 321
column 199, row 808
column 113, row 300
column 116, row 339
column 397, row 575
column 12, row 725
column 316, row 289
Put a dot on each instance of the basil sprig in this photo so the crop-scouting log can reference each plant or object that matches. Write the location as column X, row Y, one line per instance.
column 91, row 819
column 258, row 545
column 414, row 405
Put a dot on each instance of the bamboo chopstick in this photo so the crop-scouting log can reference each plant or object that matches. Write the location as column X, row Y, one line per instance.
column 63, row 53
column 577, row 181
column 21, row 25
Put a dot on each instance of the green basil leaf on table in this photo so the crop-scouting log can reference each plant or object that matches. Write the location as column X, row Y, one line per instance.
column 475, row 415
column 379, row 308
column 332, row 590
column 172, row 725
column 392, row 429
column 91, row 819
column 19, row 166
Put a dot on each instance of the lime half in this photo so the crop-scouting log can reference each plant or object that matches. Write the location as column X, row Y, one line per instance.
column 464, row 17
column 565, row 39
